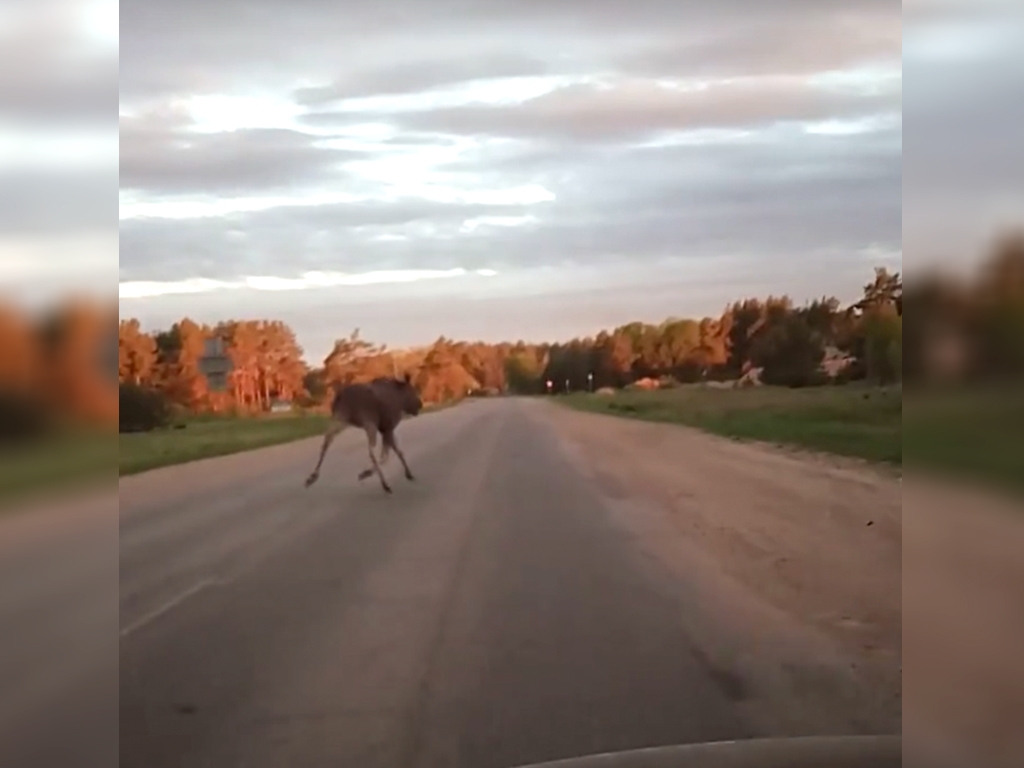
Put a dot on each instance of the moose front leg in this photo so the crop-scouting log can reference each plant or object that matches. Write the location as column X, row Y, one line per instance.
column 333, row 429
column 385, row 454
column 389, row 440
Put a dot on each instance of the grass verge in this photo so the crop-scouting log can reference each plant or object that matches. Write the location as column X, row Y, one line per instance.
column 205, row 438
column 71, row 460
column 971, row 433
column 55, row 464
column 857, row 421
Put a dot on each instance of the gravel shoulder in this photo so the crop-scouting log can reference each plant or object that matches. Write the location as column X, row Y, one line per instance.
column 809, row 546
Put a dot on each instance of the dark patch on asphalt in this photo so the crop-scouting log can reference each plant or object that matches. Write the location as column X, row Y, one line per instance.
column 727, row 681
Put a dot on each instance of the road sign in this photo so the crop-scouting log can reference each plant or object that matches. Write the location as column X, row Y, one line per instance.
column 215, row 364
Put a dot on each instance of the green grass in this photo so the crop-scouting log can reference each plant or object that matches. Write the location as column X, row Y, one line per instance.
column 855, row 421
column 71, row 460
column 974, row 433
column 208, row 437
column 54, row 464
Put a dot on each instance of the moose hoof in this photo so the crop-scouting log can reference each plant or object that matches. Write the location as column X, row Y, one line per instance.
column 387, row 489
column 365, row 474
column 310, row 480
column 409, row 476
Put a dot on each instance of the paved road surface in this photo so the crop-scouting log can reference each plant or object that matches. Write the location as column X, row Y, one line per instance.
column 492, row 613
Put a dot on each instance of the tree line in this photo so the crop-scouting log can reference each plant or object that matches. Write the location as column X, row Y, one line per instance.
column 786, row 344
column 59, row 365
column 56, row 368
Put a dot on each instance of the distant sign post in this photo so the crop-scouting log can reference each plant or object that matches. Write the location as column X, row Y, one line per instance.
column 215, row 364
column 550, row 384
column 590, row 381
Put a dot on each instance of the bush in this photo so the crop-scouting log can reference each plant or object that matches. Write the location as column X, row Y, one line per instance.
column 794, row 377
column 790, row 354
column 895, row 359
column 855, row 371
column 21, row 418
column 142, row 409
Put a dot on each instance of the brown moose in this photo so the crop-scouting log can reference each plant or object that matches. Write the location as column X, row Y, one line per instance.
column 376, row 407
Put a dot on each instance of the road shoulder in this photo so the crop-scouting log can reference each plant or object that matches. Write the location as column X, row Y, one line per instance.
column 811, row 546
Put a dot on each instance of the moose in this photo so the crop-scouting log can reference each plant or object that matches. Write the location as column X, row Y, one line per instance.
column 376, row 407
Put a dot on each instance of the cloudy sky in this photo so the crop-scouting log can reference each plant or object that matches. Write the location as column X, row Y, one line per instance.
column 506, row 168
column 58, row 148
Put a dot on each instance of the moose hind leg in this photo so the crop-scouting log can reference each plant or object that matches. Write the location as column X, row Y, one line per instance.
column 371, row 439
column 385, row 454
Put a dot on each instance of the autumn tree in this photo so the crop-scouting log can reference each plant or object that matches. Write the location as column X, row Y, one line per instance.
column 442, row 377
column 75, row 378
column 136, row 353
column 998, row 327
column 789, row 350
column 524, row 368
column 22, row 414
column 179, row 351
column 344, row 363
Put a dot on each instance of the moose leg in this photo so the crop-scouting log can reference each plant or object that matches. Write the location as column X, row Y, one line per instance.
column 333, row 430
column 383, row 460
column 385, row 454
column 371, row 439
column 389, row 441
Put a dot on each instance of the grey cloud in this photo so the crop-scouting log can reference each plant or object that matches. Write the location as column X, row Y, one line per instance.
column 965, row 119
column 964, row 166
column 590, row 113
column 192, row 45
column 569, row 167
column 640, row 205
column 42, row 79
column 157, row 158
column 57, row 202
column 294, row 239
column 417, row 76
column 371, row 214
column 46, row 92
column 831, row 41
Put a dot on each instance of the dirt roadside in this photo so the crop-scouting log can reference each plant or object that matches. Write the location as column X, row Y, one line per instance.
column 799, row 555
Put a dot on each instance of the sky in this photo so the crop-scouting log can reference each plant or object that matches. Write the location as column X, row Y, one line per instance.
column 58, row 149
column 506, row 169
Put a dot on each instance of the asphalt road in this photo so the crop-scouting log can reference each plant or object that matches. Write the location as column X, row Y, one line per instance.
column 492, row 613
column 484, row 615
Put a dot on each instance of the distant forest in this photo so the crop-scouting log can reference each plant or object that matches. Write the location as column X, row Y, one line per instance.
column 789, row 345
column 960, row 329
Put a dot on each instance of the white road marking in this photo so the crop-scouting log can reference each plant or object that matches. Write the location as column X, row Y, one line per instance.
column 170, row 605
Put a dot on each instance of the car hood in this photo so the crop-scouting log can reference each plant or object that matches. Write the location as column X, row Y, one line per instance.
column 802, row 752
